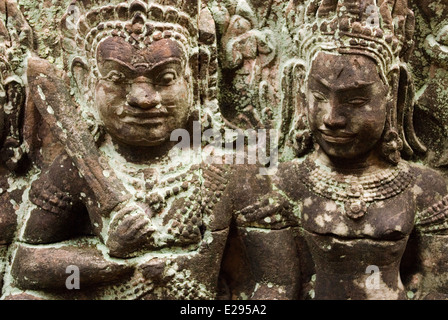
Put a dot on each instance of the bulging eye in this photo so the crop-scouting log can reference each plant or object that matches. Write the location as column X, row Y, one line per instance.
column 114, row 76
column 167, row 78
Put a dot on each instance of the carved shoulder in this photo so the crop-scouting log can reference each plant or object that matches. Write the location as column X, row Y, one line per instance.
column 432, row 201
column 271, row 211
column 262, row 200
column 433, row 219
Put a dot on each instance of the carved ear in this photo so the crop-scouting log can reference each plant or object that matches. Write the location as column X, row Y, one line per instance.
column 405, row 114
column 293, row 82
column 194, row 64
column 81, row 74
column 393, row 80
column 207, row 61
column 401, row 109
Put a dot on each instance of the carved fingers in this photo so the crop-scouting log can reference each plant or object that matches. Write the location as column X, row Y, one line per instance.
column 130, row 231
column 437, row 46
column 254, row 44
column 19, row 31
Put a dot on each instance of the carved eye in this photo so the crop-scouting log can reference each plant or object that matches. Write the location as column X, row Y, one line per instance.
column 114, row 76
column 167, row 78
column 319, row 96
column 358, row 102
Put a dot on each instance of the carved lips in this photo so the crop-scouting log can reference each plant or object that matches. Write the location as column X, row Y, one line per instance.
column 154, row 116
column 338, row 137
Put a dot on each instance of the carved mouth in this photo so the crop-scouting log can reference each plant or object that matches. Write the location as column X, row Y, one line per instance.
column 137, row 116
column 338, row 137
column 140, row 121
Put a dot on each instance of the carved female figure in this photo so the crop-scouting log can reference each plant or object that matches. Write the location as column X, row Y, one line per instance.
column 352, row 205
column 136, row 221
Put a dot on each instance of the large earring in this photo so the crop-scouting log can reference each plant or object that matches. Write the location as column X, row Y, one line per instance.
column 391, row 146
column 392, row 142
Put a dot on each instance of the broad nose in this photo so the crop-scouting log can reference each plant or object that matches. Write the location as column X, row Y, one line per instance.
column 143, row 95
column 334, row 117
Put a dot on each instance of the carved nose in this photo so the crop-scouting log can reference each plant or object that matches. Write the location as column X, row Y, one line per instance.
column 143, row 95
column 333, row 119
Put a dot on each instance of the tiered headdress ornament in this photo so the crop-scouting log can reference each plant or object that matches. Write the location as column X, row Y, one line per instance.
column 379, row 29
column 138, row 22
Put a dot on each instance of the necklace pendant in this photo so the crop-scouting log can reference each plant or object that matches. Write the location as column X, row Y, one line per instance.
column 355, row 209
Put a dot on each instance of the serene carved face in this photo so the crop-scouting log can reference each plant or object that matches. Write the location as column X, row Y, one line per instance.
column 346, row 104
column 142, row 94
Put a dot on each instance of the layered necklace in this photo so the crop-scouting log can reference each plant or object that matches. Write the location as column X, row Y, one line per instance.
column 356, row 192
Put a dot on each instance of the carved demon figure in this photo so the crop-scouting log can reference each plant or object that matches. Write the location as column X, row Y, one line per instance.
column 132, row 218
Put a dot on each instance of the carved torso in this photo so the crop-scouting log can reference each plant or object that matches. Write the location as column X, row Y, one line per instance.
column 344, row 246
column 190, row 227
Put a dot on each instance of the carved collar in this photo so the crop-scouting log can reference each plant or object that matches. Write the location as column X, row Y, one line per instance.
column 356, row 192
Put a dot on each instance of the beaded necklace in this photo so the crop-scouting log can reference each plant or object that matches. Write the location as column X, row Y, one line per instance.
column 356, row 192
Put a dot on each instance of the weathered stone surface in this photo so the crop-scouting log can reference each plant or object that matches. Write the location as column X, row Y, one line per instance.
column 223, row 149
column 358, row 206
column 31, row 262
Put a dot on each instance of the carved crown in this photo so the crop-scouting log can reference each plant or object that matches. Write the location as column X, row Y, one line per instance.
column 381, row 29
column 139, row 22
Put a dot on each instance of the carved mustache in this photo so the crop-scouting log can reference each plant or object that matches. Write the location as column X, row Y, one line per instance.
column 155, row 112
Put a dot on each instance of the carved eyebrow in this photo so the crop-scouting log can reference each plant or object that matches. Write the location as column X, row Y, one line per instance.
column 359, row 84
column 167, row 61
column 154, row 70
column 133, row 69
column 120, row 63
column 321, row 81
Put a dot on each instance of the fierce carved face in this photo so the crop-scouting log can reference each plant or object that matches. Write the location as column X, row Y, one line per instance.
column 143, row 94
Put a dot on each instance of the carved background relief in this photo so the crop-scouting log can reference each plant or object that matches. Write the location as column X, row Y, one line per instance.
column 118, row 119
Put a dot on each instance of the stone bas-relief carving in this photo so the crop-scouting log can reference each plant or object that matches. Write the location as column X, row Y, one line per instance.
column 249, row 62
column 352, row 206
column 13, row 164
column 135, row 221
column 429, row 68
column 105, row 192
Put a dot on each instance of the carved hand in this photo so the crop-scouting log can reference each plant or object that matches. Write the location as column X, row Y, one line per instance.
column 442, row 36
column 130, row 231
column 437, row 46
